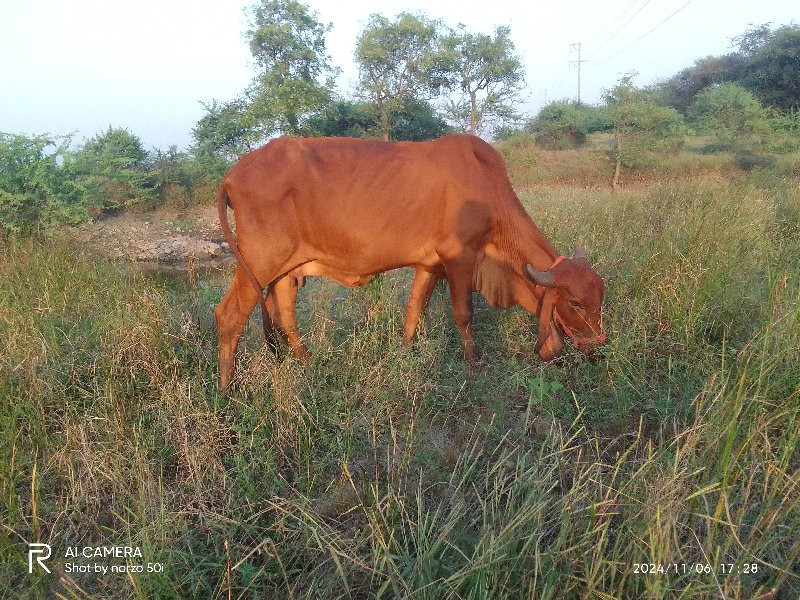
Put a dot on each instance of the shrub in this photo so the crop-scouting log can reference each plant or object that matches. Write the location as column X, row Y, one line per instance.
column 559, row 125
column 728, row 112
column 111, row 170
column 747, row 161
column 175, row 175
column 36, row 187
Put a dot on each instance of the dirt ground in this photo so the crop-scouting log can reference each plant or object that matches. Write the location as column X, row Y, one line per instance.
column 167, row 236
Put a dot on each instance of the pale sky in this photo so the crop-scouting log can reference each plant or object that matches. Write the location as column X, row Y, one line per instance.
column 83, row 65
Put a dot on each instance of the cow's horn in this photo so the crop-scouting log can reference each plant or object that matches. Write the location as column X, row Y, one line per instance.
column 544, row 278
column 578, row 252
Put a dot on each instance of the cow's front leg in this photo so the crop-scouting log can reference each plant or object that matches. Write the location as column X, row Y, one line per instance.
column 459, row 279
column 421, row 290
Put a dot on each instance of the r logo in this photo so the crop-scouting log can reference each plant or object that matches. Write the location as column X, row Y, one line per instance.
column 38, row 549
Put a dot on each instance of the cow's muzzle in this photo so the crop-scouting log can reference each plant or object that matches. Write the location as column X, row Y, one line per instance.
column 583, row 343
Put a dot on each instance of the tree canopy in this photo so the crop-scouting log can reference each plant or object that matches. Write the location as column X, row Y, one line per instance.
column 288, row 44
column 771, row 65
column 488, row 73
column 397, row 61
column 766, row 62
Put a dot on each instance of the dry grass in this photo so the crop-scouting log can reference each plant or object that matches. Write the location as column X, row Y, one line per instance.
column 383, row 472
column 590, row 167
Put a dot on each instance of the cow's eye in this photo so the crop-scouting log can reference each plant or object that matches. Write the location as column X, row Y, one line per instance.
column 575, row 304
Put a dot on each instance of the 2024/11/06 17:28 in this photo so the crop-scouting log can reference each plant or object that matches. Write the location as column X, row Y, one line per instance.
column 699, row 568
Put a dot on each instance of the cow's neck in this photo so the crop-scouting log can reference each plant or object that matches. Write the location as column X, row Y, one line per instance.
column 523, row 243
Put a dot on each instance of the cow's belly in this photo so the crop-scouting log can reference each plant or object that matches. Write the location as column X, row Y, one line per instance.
column 361, row 274
column 318, row 269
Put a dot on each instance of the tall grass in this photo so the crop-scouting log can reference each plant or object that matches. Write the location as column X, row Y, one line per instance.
column 383, row 472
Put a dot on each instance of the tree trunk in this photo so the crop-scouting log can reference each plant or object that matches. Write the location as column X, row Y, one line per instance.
column 618, row 168
column 473, row 113
column 383, row 112
column 294, row 124
column 386, row 126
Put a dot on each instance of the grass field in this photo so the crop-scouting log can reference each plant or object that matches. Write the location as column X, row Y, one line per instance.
column 391, row 473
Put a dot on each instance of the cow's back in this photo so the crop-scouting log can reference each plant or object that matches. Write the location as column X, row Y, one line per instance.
column 361, row 204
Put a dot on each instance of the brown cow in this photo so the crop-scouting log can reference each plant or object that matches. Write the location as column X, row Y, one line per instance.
column 348, row 209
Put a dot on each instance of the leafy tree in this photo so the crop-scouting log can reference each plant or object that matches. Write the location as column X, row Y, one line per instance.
column 767, row 62
column 417, row 121
column 288, row 44
column 397, row 60
column 414, row 120
column 488, row 73
column 679, row 90
column 728, row 112
column 346, row 118
column 223, row 134
column 111, row 169
column 771, row 65
column 36, row 188
column 640, row 126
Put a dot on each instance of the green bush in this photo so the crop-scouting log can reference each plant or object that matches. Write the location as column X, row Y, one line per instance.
column 560, row 125
column 728, row 113
column 176, row 175
column 111, row 171
column 36, row 185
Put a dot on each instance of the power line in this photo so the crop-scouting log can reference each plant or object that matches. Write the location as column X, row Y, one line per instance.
column 557, row 83
column 613, row 35
column 607, row 27
column 682, row 6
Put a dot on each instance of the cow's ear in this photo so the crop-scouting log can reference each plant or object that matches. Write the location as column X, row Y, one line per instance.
column 549, row 343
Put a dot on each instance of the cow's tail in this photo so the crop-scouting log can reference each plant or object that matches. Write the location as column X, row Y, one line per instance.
column 223, row 200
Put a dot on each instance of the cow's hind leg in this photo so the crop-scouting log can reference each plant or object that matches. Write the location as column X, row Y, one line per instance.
column 421, row 290
column 231, row 314
column 271, row 329
column 284, row 314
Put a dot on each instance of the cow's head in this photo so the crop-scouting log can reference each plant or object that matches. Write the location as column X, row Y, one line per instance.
column 571, row 304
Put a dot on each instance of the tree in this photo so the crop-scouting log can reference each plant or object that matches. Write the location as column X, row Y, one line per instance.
column 288, row 44
column 728, row 112
column 771, row 65
column 111, row 169
column 415, row 120
column 397, row 61
column 679, row 90
column 223, row 134
column 767, row 62
column 488, row 73
column 346, row 118
column 640, row 126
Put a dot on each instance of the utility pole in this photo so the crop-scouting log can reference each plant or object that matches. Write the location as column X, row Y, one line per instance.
column 578, row 63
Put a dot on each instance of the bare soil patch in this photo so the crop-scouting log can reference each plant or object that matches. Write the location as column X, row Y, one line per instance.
column 164, row 236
